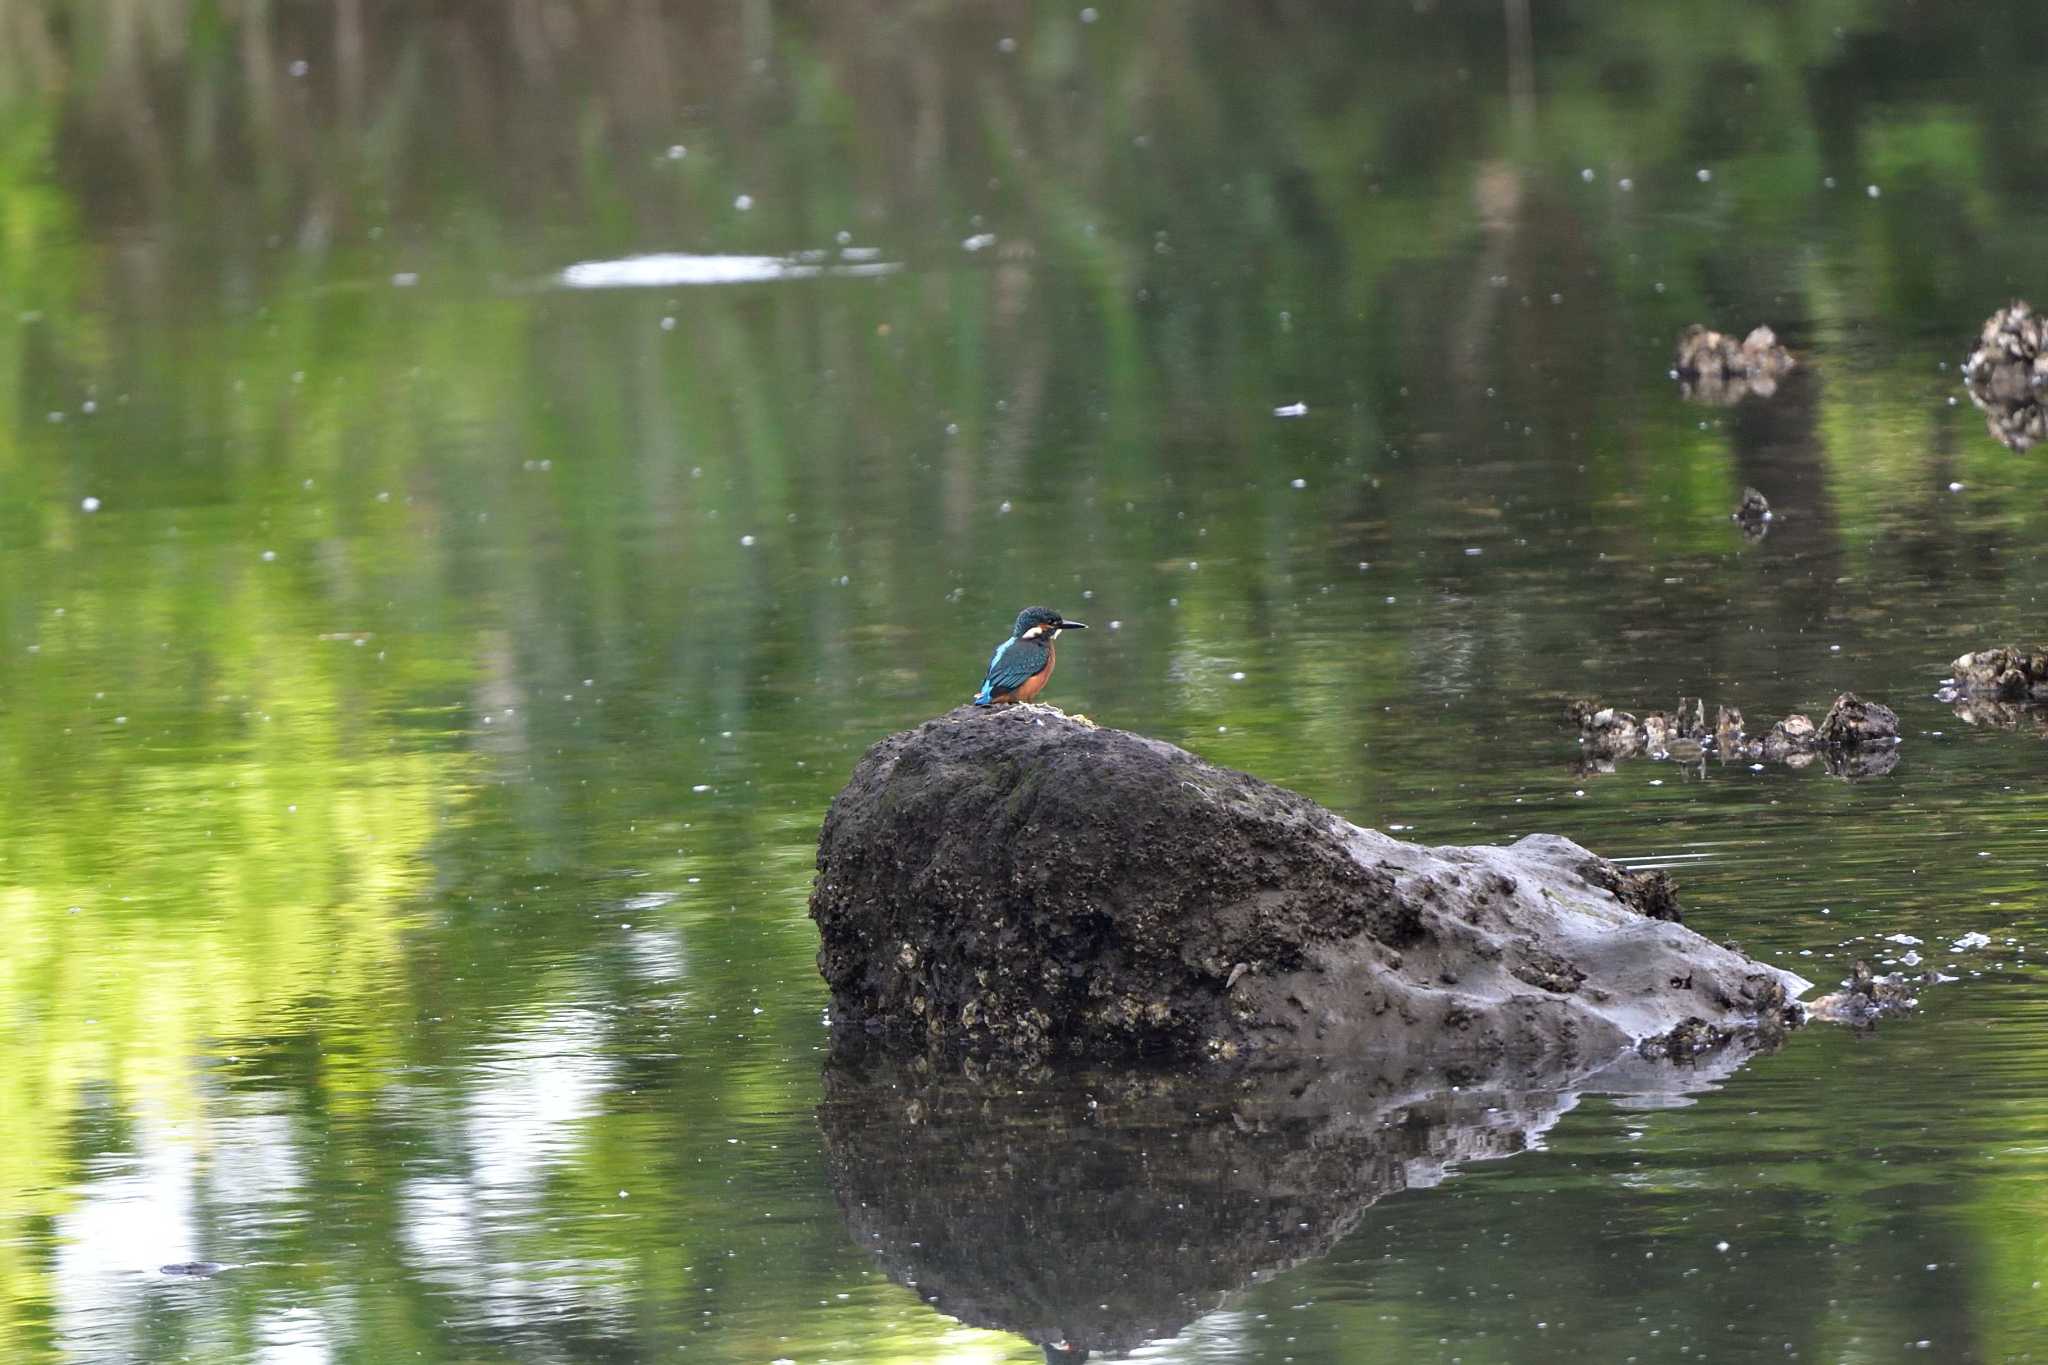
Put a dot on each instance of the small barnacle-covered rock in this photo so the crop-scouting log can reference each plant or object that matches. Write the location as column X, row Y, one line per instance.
column 1752, row 514
column 1853, row 723
column 2007, row 673
column 1867, row 997
column 2007, row 375
column 1714, row 367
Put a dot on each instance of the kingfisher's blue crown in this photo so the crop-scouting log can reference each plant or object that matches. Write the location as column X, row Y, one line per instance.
column 1036, row 616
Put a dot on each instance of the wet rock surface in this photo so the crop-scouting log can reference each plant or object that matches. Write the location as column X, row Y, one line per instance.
column 1713, row 367
column 2007, row 375
column 1015, row 884
column 1856, row 738
column 1093, row 1211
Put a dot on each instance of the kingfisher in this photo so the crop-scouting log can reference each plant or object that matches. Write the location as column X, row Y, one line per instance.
column 1022, row 663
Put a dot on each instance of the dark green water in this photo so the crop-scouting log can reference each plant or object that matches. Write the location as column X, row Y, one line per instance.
column 421, row 680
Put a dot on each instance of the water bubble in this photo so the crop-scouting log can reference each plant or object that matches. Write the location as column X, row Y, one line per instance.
column 1116, row 625
column 1828, row 183
column 668, row 324
column 678, row 152
column 270, row 556
column 980, row 241
column 1703, row 175
column 744, row 202
column 299, row 68
column 1237, row 677
column 1955, row 487
column 1872, row 190
column 1004, row 510
column 746, row 540
column 1625, row 184
column 1300, row 483
column 1089, row 16
column 701, row 788
column 1006, row 45
column 89, row 504
column 405, row 279
column 1587, row 175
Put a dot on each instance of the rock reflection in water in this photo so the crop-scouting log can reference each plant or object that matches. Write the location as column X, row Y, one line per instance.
column 1094, row 1211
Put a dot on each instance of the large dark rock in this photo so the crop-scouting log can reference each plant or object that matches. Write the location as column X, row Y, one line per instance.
column 1016, row 883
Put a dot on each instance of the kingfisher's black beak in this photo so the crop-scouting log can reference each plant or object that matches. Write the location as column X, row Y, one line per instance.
column 1073, row 625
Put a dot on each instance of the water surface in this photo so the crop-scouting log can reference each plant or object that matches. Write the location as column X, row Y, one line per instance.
column 421, row 679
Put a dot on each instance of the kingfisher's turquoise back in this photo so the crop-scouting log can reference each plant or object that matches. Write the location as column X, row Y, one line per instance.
column 1015, row 662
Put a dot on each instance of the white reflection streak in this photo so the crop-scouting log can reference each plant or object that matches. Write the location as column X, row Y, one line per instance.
column 122, row 1226
column 540, row 1083
column 296, row 1336
column 682, row 269
column 524, row 1117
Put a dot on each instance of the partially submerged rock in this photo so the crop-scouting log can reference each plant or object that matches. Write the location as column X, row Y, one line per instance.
column 1853, row 723
column 1752, row 514
column 1716, row 368
column 1012, row 884
column 2007, row 374
column 1867, row 997
column 1856, row 738
column 2007, row 673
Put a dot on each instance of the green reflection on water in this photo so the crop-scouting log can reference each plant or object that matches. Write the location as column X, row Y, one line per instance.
column 413, row 774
